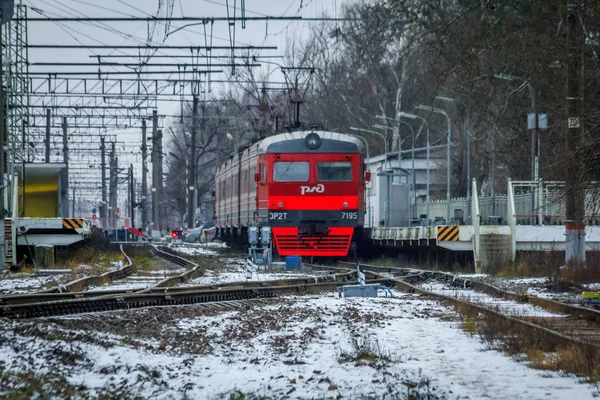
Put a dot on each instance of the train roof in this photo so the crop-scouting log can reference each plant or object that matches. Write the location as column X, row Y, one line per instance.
column 294, row 142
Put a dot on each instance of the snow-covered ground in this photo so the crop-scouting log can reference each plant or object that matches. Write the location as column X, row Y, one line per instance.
column 25, row 285
column 507, row 307
column 307, row 347
column 212, row 277
column 136, row 284
column 540, row 287
column 592, row 286
column 194, row 251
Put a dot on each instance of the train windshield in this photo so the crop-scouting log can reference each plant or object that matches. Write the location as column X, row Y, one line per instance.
column 290, row 171
column 334, row 171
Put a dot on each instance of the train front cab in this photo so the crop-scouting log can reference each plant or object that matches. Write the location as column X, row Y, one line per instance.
column 315, row 196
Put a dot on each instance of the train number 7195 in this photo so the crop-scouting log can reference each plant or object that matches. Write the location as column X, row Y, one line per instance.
column 349, row 215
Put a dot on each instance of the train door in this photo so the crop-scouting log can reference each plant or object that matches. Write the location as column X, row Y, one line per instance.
column 262, row 192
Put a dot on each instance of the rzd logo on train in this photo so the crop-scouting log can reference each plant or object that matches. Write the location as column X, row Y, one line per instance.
column 320, row 188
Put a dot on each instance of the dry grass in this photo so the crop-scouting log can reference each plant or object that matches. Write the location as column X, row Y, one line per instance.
column 542, row 350
column 532, row 264
column 97, row 258
column 551, row 264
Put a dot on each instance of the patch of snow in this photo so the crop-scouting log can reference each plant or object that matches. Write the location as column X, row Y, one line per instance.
column 592, row 286
column 166, row 271
column 25, row 285
column 219, row 245
column 472, row 276
column 212, row 278
column 133, row 285
column 548, row 294
column 507, row 307
column 528, row 281
column 194, row 251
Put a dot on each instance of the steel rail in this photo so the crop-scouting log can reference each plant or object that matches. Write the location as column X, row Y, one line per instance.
column 138, row 300
column 413, row 275
column 581, row 328
column 164, row 286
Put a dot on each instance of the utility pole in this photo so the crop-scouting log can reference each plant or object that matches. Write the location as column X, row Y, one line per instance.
column 65, row 174
column 103, row 206
column 2, row 145
column 73, row 212
column 143, row 197
column 159, row 179
column 131, row 196
column 113, row 186
column 193, row 196
column 155, row 172
column 574, row 188
column 65, row 141
column 48, row 125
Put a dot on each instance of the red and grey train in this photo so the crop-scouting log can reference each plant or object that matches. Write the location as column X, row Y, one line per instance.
column 307, row 186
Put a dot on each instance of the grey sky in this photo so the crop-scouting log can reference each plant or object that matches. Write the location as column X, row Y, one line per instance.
column 257, row 33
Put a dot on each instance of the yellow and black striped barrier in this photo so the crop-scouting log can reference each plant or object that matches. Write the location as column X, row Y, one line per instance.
column 72, row 223
column 447, row 233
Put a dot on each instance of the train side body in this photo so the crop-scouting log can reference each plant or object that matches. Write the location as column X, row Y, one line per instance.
column 312, row 198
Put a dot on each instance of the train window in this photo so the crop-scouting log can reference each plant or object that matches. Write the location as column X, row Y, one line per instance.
column 251, row 179
column 263, row 172
column 334, row 171
column 244, row 181
column 290, row 171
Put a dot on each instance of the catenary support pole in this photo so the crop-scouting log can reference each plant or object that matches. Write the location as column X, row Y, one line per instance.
column 191, row 212
column 2, row 144
column 574, row 190
column 113, row 186
column 144, row 195
column 161, row 204
column 155, row 172
column 65, row 175
column 131, row 197
column 48, row 125
column 104, row 204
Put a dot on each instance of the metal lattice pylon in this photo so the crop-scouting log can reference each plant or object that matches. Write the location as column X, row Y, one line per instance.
column 16, row 84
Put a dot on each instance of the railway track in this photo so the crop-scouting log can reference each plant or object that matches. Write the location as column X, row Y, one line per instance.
column 560, row 323
column 45, row 304
column 94, row 280
column 74, row 289
column 165, row 286
column 171, row 297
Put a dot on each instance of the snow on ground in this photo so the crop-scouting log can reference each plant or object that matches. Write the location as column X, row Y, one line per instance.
column 593, row 286
column 194, row 251
column 541, row 287
column 507, row 307
column 308, row 347
column 25, row 285
column 215, row 245
column 472, row 276
column 123, row 285
column 166, row 272
column 213, row 277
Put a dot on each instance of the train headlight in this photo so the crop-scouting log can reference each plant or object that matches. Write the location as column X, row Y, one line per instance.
column 280, row 204
column 345, row 204
column 313, row 141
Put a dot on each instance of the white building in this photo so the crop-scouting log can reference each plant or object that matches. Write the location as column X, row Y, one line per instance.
column 399, row 173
